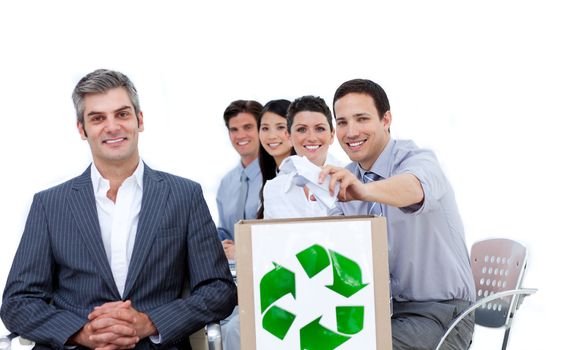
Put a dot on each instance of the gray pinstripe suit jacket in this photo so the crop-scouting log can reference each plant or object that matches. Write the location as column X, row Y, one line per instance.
column 61, row 272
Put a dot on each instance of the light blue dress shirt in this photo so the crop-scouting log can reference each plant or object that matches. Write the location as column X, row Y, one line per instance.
column 229, row 194
column 428, row 258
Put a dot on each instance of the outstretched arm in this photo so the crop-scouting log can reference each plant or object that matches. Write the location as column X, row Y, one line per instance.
column 400, row 190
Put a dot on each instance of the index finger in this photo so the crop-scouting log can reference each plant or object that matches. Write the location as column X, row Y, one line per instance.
column 108, row 308
column 110, row 305
column 126, row 315
column 325, row 171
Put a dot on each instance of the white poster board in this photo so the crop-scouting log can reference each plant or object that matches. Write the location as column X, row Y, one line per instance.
column 313, row 281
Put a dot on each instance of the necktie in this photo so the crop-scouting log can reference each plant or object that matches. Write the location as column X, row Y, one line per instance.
column 244, row 184
column 375, row 208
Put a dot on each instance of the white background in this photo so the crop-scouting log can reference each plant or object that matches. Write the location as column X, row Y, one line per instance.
column 482, row 83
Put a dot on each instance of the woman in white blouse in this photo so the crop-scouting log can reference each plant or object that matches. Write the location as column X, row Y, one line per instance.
column 275, row 144
column 311, row 131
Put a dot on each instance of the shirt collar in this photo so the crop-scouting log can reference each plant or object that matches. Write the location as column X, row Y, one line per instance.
column 98, row 181
column 381, row 165
column 252, row 170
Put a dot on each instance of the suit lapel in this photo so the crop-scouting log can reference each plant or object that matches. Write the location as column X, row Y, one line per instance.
column 154, row 198
column 83, row 209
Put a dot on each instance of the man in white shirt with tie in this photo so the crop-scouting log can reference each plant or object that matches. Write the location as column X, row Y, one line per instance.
column 122, row 256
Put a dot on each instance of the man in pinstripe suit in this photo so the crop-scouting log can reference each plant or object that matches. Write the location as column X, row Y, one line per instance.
column 121, row 256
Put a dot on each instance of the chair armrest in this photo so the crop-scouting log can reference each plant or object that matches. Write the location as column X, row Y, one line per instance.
column 25, row 342
column 214, row 336
column 5, row 342
column 521, row 292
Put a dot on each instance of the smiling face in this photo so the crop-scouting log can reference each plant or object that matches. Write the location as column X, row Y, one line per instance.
column 111, row 128
column 311, row 136
column 274, row 136
column 360, row 131
column 244, row 136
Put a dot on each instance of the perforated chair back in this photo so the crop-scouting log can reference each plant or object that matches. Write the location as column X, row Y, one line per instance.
column 497, row 265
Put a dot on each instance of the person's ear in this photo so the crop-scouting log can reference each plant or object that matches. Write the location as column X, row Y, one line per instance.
column 140, row 121
column 386, row 120
column 81, row 129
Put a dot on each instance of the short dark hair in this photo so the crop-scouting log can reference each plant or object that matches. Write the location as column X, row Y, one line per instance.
column 267, row 164
column 242, row 106
column 311, row 104
column 100, row 81
column 367, row 87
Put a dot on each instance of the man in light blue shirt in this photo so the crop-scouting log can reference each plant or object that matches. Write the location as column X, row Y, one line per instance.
column 238, row 194
column 431, row 277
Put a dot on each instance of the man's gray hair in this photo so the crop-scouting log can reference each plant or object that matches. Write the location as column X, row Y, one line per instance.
column 100, row 81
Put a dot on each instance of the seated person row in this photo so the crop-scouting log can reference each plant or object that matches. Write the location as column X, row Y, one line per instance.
column 276, row 144
column 431, row 279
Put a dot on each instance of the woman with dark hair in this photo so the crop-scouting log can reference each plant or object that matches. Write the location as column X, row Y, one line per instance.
column 275, row 144
column 309, row 122
column 274, row 147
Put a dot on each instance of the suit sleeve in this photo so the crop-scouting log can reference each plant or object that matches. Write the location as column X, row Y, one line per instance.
column 212, row 291
column 26, row 308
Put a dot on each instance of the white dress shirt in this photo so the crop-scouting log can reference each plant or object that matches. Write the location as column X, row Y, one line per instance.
column 118, row 221
column 284, row 195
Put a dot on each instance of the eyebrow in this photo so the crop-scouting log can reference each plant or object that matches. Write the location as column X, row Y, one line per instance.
column 319, row 124
column 123, row 108
column 241, row 126
column 278, row 123
column 361, row 114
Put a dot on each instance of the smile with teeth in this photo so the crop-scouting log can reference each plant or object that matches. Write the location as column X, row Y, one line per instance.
column 243, row 143
column 274, row 145
column 356, row 143
column 312, row 147
column 111, row 141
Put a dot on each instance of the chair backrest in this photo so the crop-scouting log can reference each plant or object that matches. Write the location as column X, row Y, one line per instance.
column 497, row 265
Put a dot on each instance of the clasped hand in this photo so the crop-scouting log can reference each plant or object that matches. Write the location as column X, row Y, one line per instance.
column 114, row 325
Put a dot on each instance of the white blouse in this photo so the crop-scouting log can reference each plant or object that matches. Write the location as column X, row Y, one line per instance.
column 284, row 196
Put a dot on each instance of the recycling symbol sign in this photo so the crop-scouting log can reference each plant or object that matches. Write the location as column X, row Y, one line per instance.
column 280, row 281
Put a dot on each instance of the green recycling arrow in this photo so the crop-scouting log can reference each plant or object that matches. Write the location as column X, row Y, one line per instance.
column 315, row 336
column 313, row 259
column 277, row 321
column 349, row 319
column 347, row 275
column 276, row 284
column 347, row 281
